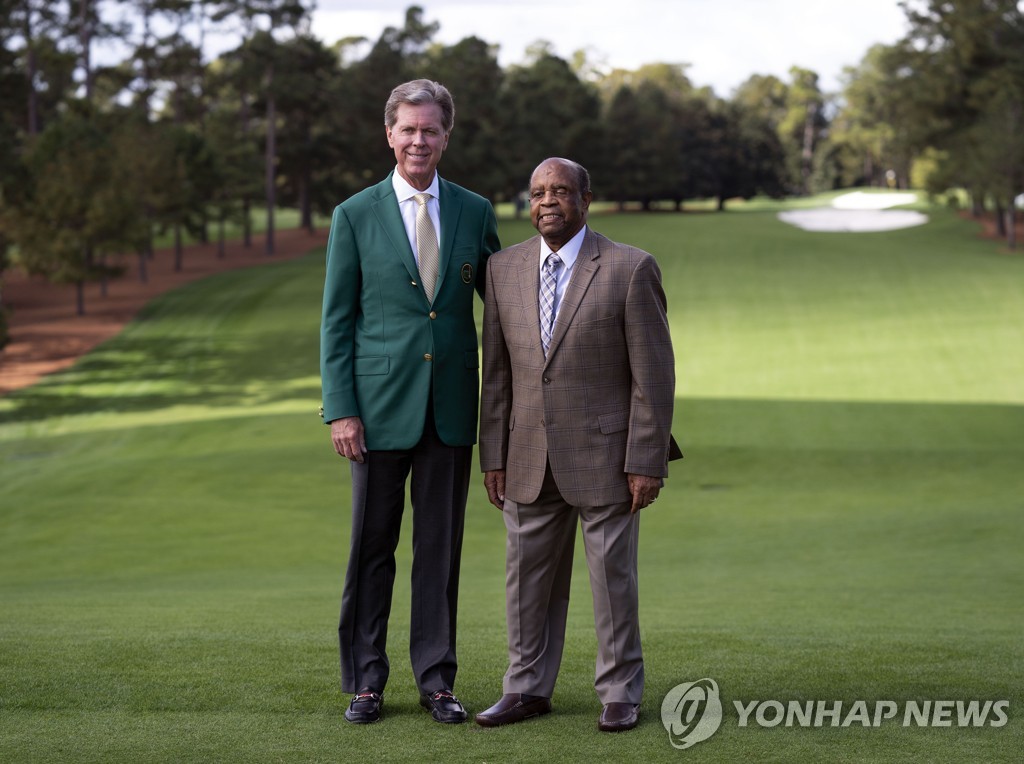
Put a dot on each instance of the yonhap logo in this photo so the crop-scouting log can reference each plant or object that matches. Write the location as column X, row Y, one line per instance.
column 691, row 712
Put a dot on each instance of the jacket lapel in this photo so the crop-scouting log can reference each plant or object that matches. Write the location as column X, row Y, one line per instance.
column 582, row 274
column 451, row 211
column 385, row 207
column 529, row 288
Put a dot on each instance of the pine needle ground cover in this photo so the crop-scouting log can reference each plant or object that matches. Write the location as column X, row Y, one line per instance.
column 848, row 524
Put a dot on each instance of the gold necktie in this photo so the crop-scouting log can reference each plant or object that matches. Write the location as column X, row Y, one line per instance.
column 426, row 246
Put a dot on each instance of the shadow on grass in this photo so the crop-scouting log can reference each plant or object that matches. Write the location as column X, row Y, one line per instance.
column 848, row 426
column 135, row 375
column 232, row 339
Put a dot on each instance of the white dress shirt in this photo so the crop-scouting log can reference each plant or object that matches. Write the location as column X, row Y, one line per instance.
column 407, row 206
column 568, row 254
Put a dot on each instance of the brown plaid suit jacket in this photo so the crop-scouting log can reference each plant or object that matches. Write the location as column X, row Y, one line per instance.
column 600, row 405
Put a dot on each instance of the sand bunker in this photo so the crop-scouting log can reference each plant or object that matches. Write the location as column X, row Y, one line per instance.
column 858, row 212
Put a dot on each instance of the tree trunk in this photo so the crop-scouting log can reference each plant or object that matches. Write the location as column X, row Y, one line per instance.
column 1011, row 225
column 80, row 284
column 178, row 254
column 147, row 62
column 807, row 151
column 977, row 205
column 30, row 74
column 246, row 129
column 221, row 251
column 145, row 255
column 271, row 153
column 1000, row 219
column 85, row 41
column 305, row 203
column 5, row 335
column 247, row 223
column 306, row 186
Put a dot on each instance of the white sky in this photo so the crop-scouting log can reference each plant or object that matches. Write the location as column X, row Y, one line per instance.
column 724, row 41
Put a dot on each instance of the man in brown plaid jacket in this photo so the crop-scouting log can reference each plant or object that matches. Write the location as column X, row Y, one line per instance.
column 578, row 391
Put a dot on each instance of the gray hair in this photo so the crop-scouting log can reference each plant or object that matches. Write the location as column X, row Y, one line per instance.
column 419, row 92
column 582, row 176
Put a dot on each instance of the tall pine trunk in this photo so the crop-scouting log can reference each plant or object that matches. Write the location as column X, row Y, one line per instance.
column 30, row 74
column 807, row 149
column 178, row 250
column 247, row 222
column 85, row 41
column 1000, row 218
column 271, row 153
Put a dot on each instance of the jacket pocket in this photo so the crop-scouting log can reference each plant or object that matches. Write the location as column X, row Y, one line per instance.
column 615, row 422
column 372, row 364
column 607, row 322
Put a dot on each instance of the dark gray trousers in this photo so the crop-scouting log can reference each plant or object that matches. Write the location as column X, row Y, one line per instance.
column 438, row 490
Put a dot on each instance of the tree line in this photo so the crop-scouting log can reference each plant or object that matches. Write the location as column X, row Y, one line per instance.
column 96, row 158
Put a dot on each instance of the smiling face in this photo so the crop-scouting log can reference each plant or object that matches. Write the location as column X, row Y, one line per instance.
column 418, row 139
column 558, row 209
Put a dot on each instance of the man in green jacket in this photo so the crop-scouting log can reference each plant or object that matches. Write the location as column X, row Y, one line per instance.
column 399, row 368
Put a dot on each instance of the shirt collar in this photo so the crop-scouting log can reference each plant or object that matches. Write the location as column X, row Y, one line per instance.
column 568, row 252
column 404, row 191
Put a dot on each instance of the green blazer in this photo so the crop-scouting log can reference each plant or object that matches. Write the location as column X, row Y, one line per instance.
column 383, row 345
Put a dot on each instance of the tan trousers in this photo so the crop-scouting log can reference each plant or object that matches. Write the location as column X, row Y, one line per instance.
column 539, row 554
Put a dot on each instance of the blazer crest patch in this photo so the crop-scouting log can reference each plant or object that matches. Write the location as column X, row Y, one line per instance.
column 467, row 273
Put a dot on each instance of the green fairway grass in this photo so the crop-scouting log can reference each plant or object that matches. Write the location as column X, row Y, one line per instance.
column 848, row 523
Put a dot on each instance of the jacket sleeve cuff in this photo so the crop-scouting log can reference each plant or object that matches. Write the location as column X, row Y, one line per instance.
column 338, row 406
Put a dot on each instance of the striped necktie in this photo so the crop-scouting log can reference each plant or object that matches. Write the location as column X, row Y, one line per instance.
column 426, row 246
column 549, row 278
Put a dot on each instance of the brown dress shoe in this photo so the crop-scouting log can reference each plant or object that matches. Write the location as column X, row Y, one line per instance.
column 618, row 717
column 513, row 707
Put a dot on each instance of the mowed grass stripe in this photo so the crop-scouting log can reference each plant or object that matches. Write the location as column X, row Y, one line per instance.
column 762, row 309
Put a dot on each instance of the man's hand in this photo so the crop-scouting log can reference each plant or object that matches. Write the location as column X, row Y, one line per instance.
column 494, row 482
column 348, row 438
column 645, row 490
